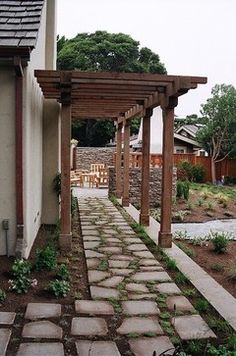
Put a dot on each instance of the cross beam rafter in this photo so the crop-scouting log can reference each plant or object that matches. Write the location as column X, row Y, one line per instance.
column 112, row 95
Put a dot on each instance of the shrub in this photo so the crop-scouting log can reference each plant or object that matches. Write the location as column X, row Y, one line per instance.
column 20, row 271
column 229, row 180
column 45, row 259
column 220, row 241
column 73, row 204
column 20, row 267
column 187, row 167
column 182, row 189
column 198, row 173
column 171, row 264
column 2, row 295
column 217, row 267
column 59, row 288
column 63, row 273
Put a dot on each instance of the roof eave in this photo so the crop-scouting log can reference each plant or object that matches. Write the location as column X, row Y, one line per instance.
column 7, row 53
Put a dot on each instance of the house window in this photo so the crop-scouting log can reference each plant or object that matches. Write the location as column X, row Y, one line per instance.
column 202, row 153
column 180, row 149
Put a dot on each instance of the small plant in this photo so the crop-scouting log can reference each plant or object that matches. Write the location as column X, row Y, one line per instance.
column 210, row 206
column 179, row 215
column 201, row 305
column 189, row 292
column 2, row 295
column 63, row 273
column 232, row 271
column 180, row 278
column 103, row 265
column 45, row 259
column 220, row 241
column 171, row 264
column 219, row 325
column 217, row 267
column 200, row 202
column 59, row 288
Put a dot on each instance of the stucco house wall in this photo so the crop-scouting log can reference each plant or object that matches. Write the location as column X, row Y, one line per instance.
column 40, row 121
column 7, row 158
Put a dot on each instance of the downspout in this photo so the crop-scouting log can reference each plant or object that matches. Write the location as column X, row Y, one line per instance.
column 19, row 155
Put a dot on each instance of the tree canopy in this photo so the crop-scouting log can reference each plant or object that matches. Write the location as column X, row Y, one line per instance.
column 218, row 135
column 103, row 51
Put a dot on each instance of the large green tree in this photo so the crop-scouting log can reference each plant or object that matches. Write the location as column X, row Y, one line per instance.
column 103, row 51
column 218, row 136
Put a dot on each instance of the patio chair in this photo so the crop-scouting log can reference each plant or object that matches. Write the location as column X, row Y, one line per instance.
column 103, row 178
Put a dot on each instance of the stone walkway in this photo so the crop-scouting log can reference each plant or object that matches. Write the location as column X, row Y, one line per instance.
column 134, row 304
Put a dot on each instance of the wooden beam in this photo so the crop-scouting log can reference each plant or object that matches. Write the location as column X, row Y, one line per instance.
column 145, row 183
column 125, row 198
column 118, row 160
column 65, row 239
column 165, row 236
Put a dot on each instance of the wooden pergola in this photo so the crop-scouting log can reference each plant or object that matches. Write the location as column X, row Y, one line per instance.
column 118, row 96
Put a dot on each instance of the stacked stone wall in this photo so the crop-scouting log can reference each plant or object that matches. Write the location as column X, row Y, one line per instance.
column 85, row 156
column 135, row 185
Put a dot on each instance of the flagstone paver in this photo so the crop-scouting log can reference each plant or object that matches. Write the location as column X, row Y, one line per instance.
column 179, row 303
column 42, row 311
column 92, row 254
column 118, row 264
column 97, row 276
column 93, row 307
column 146, row 346
column 112, row 282
column 42, row 329
column 140, row 307
column 142, row 296
column 97, row 348
column 136, row 287
column 191, row 327
column 89, row 326
column 103, row 293
column 149, row 262
column 168, row 288
column 140, row 326
column 41, row 349
column 5, row 335
column 151, row 276
column 7, row 318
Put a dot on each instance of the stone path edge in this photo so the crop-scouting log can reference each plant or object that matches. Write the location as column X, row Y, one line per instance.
column 217, row 296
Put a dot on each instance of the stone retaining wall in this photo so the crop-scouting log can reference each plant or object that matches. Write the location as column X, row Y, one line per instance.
column 135, row 185
column 85, row 156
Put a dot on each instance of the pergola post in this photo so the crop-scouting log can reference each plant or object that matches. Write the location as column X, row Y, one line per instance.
column 125, row 199
column 118, row 160
column 145, row 184
column 165, row 235
column 65, row 239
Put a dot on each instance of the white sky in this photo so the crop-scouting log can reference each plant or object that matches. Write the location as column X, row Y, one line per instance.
column 192, row 37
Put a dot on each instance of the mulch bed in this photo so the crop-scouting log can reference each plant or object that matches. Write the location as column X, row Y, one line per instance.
column 207, row 258
column 76, row 266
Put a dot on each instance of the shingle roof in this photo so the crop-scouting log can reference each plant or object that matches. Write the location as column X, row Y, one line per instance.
column 20, row 22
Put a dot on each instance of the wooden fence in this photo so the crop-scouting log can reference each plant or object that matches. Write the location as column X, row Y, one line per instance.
column 223, row 168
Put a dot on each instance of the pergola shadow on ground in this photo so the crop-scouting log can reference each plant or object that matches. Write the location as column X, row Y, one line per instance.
column 118, row 96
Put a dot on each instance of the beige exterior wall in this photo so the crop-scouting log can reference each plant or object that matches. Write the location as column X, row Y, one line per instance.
column 51, row 129
column 7, row 158
column 50, row 213
column 32, row 142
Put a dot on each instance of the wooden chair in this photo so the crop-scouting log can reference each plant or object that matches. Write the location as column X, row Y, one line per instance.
column 76, row 179
column 95, row 167
column 103, row 178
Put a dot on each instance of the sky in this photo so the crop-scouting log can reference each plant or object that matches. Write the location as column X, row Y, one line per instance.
column 192, row 37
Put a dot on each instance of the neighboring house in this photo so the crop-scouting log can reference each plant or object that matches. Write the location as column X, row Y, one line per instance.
column 185, row 140
column 184, row 137
column 29, row 139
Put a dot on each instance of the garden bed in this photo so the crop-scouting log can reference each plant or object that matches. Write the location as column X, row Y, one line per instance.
column 75, row 262
column 218, row 265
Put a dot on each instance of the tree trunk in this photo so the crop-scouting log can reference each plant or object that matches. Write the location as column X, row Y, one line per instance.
column 213, row 171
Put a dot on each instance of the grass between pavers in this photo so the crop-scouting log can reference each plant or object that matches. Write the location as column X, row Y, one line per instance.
column 225, row 344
